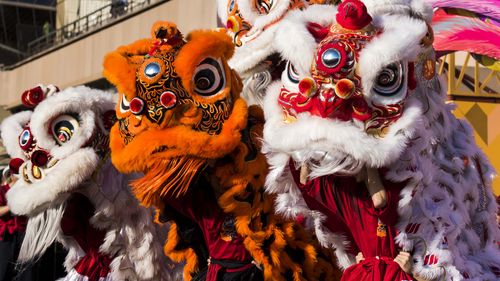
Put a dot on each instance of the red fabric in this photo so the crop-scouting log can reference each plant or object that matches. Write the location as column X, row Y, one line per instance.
column 76, row 223
column 94, row 265
column 213, row 271
column 350, row 211
column 8, row 222
column 205, row 211
column 352, row 14
column 376, row 269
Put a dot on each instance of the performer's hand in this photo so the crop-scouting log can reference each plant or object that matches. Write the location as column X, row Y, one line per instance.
column 405, row 261
column 359, row 257
column 375, row 187
column 304, row 173
column 4, row 210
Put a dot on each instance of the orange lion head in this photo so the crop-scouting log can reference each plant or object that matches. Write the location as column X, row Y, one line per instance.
column 179, row 107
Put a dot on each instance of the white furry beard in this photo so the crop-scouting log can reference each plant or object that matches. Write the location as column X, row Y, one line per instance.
column 310, row 134
column 322, row 163
column 41, row 231
column 65, row 176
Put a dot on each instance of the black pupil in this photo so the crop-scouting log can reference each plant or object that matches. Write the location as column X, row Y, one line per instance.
column 204, row 79
column 387, row 77
column 63, row 130
column 152, row 70
column 231, row 6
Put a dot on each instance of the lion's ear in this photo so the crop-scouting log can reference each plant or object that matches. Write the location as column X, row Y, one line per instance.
column 120, row 66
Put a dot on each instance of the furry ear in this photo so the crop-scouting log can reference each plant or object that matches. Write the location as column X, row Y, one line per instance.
column 200, row 45
column 120, row 66
column 318, row 31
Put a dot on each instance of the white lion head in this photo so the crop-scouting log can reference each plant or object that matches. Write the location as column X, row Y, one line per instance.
column 58, row 145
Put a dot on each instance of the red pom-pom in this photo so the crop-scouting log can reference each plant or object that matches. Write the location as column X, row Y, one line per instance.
column 352, row 14
column 229, row 24
column 344, row 88
column 15, row 164
column 168, row 99
column 136, row 105
column 32, row 97
column 307, row 87
column 360, row 110
column 39, row 158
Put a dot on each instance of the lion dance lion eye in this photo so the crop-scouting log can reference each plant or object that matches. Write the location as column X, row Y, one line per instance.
column 389, row 80
column 152, row 69
column 264, row 6
column 209, row 77
column 25, row 139
column 63, row 128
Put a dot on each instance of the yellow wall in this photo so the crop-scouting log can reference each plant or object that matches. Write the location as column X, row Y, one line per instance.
column 81, row 62
column 485, row 119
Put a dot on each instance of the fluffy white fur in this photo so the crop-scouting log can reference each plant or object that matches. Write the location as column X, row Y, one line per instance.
column 427, row 146
column 396, row 43
column 222, row 10
column 405, row 7
column 310, row 133
column 257, row 20
column 83, row 101
column 10, row 129
column 41, row 231
column 67, row 175
column 287, row 37
column 132, row 238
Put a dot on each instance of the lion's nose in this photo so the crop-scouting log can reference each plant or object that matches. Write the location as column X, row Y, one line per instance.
column 40, row 158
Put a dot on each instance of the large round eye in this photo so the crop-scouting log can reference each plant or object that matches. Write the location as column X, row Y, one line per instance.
column 330, row 58
column 124, row 104
column 63, row 128
column 389, row 80
column 209, row 77
column 25, row 139
column 292, row 73
column 152, row 69
column 334, row 57
column 264, row 6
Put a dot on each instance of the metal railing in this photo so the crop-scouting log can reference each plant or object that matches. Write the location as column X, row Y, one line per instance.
column 87, row 23
column 467, row 81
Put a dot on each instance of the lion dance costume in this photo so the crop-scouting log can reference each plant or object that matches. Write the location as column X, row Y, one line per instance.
column 71, row 193
column 361, row 141
column 181, row 122
column 253, row 25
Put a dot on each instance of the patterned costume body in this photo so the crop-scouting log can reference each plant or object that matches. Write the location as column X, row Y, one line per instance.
column 181, row 122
